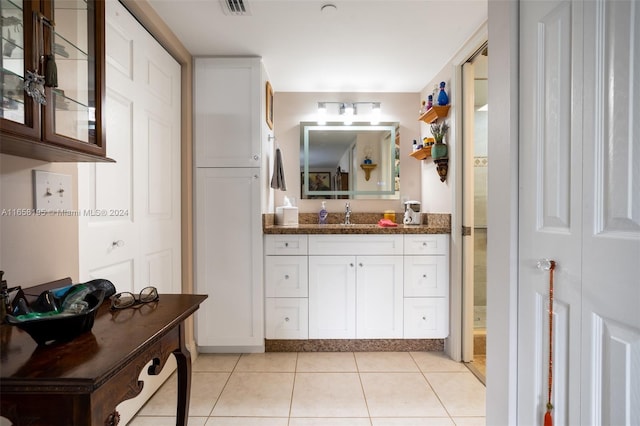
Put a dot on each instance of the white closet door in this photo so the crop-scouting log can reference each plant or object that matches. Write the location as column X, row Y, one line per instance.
column 129, row 227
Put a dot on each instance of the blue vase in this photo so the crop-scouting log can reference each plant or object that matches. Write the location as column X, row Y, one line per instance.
column 443, row 99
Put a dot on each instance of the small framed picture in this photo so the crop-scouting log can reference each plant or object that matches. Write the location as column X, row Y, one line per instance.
column 269, row 116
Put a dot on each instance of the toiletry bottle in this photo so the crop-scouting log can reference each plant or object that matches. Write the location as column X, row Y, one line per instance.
column 322, row 216
column 415, row 145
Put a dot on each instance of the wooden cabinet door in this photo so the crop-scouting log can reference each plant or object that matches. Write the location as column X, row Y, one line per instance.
column 227, row 122
column 229, row 259
column 332, row 297
column 379, row 297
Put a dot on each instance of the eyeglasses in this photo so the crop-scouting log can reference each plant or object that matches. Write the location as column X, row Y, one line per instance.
column 126, row 299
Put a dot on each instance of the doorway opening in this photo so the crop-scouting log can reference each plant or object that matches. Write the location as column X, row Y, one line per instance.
column 474, row 218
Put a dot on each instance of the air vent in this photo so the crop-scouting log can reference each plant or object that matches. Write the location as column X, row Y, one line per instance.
column 235, row 7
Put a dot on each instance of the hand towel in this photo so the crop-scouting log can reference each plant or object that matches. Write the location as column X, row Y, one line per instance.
column 277, row 180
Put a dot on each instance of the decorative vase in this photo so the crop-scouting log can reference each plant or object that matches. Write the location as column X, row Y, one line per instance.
column 443, row 98
column 439, row 150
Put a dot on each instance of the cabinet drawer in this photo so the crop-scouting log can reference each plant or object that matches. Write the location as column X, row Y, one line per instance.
column 426, row 244
column 286, row 276
column 355, row 244
column 285, row 244
column 426, row 318
column 287, row 318
column 426, row 276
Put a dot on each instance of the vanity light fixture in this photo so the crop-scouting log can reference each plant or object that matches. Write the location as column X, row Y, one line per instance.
column 347, row 110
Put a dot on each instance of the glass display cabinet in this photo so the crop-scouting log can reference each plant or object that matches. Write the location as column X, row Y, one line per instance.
column 52, row 83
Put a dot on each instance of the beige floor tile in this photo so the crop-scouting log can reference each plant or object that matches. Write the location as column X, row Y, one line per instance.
column 164, row 421
column 216, row 362
column 247, row 421
column 436, row 361
column 268, row 362
column 400, row 395
column 205, row 389
column 469, row 421
column 328, row 395
column 413, row 421
column 461, row 393
column 251, row 394
column 326, row 362
column 385, row 362
column 330, row 422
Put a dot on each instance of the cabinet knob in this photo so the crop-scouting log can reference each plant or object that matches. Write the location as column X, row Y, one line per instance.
column 424, row 244
column 286, row 319
column 118, row 243
column 424, row 275
column 351, row 264
column 424, row 318
column 360, row 264
column 286, row 244
column 256, row 157
column 286, row 277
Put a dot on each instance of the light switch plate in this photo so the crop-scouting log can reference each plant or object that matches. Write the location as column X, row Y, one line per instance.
column 51, row 191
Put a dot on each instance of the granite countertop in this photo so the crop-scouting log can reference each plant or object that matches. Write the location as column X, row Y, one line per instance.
column 362, row 223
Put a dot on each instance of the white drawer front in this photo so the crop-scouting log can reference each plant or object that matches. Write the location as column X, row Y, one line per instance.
column 426, row 244
column 426, row 318
column 355, row 244
column 426, row 276
column 285, row 244
column 286, row 276
column 287, row 318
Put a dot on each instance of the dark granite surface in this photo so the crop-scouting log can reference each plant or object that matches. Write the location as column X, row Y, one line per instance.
column 361, row 223
column 354, row 345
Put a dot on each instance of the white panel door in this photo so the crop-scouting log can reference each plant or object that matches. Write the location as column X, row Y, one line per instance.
column 130, row 210
column 229, row 259
column 379, row 302
column 579, row 206
column 611, row 224
column 332, row 297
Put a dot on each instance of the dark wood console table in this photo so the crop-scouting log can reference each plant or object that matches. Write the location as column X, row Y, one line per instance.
column 81, row 382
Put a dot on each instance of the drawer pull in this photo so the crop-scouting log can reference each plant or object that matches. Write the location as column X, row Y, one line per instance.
column 286, row 277
column 286, row 244
column 286, row 319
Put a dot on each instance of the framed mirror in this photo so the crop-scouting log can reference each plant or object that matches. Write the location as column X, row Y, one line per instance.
column 357, row 161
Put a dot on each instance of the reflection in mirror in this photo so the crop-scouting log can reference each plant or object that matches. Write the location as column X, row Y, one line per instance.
column 358, row 161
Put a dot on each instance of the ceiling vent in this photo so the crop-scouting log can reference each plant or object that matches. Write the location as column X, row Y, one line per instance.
column 235, row 7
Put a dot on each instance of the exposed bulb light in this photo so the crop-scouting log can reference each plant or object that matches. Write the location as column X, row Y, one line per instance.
column 375, row 113
column 346, row 109
column 322, row 113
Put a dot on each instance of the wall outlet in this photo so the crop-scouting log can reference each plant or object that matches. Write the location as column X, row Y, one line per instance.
column 51, row 191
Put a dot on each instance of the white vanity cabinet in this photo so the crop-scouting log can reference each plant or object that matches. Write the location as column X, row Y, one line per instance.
column 286, row 287
column 426, row 286
column 355, row 286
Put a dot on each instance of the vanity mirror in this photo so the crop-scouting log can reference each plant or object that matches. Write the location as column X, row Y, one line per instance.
column 357, row 161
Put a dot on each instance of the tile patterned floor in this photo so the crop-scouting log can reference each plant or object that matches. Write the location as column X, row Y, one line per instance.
column 324, row 389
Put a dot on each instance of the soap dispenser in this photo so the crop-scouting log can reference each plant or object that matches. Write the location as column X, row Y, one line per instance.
column 323, row 215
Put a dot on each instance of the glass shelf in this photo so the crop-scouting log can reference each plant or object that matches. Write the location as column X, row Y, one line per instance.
column 64, row 103
column 71, row 4
column 64, row 49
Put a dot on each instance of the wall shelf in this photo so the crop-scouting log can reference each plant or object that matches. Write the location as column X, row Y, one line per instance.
column 434, row 113
column 422, row 153
column 368, row 168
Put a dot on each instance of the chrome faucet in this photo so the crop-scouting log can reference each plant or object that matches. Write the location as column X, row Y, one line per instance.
column 347, row 214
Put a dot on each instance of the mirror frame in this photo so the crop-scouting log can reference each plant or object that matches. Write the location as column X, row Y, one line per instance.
column 307, row 126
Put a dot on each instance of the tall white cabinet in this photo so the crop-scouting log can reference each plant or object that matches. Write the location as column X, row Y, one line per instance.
column 229, row 104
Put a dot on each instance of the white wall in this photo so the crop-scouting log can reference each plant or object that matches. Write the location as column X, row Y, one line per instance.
column 290, row 108
column 34, row 249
